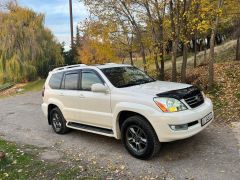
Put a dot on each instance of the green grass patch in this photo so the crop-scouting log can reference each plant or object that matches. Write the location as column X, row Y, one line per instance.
column 226, row 55
column 19, row 165
column 23, row 162
column 34, row 86
column 216, row 90
column 6, row 86
column 238, row 95
column 215, row 93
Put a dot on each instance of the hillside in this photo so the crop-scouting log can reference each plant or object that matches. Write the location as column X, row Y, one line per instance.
column 225, row 94
column 223, row 51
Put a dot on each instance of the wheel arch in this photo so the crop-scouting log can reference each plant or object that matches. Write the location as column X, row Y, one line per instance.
column 50, row 107
column 122, row 116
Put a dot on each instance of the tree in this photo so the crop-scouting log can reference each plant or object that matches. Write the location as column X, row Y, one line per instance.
column 212, row 45
column 96, row 48
column 155, row 12
column 185, row 36
column 238, row 42
column 174, row 8
column 119, row 10
column 27, row 48
column 123, row 39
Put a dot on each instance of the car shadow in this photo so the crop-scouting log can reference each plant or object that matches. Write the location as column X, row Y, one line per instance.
column 171, row 151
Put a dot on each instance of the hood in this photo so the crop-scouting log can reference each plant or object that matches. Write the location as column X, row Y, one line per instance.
column 156, row 87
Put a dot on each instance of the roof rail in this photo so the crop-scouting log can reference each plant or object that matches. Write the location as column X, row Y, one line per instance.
column 110, row 63
column 68, row 67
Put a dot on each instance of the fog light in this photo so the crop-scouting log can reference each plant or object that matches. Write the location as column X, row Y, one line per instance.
column 179, row 127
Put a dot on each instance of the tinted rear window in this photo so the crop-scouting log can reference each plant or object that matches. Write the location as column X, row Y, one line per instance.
column 55, row 80
column 71, row 81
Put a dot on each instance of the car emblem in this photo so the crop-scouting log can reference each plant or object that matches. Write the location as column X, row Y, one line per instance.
column 197, row 98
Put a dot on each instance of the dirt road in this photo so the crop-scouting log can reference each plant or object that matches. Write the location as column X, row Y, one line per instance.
column 212, row 154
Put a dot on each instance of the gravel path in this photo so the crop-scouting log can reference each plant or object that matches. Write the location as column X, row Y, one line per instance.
column 212, row 154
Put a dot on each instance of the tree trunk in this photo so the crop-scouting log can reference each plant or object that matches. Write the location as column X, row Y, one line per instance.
column 154, row 37
column 195, row 50
column 212, row 46
column 238, row 49
column 211, row 60
column 156, row 63
column 162, row 74
column 138, row 31
column 160, row 36
column 174, row 43
column 143, row 57
column 184, row 63
column 205, row 55
column 131, row 58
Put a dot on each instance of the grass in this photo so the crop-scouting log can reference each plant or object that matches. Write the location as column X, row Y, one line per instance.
column 17, row 164
column 23, row 162
column 34, row 86
column 6, row 86
column 21, row 89
column 238, row 95
column 223, row 52
column 215, row 93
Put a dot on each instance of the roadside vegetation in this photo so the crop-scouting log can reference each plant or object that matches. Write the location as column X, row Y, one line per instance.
column 28, row 50
column 34, row 86
column 21, row 88
column 25, row 162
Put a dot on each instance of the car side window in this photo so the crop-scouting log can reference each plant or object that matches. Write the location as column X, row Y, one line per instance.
column 71, row 81
column 88, row 79
column 55, row 80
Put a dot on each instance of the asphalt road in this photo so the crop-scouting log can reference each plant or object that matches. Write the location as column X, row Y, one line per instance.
column 211, row 154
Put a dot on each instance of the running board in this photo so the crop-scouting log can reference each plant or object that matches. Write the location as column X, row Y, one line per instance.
column 92, row 129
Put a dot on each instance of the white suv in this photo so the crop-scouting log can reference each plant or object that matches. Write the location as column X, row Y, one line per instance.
column 123, row 102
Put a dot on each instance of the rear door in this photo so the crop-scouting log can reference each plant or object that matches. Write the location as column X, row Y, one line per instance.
column 95, row 106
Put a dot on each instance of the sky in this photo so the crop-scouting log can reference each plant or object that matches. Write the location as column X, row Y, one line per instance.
column 57, row 16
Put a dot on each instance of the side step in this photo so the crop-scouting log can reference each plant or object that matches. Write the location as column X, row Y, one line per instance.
column 92, row 129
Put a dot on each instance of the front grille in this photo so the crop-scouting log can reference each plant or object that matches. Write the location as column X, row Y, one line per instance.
column 192, row 96
column 194, row 99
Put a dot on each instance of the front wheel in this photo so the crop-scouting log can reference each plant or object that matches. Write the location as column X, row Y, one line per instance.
column 139, row 138
column 58, row 122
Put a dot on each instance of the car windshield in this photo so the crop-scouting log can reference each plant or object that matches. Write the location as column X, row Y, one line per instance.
column 126, row 76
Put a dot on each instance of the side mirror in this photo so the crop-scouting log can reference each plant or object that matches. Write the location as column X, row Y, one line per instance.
column 99, row 88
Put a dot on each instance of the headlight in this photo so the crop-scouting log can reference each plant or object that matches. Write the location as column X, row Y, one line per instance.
column 169, row 104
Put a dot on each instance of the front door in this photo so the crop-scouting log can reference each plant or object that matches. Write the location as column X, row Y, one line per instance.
column 95, row 107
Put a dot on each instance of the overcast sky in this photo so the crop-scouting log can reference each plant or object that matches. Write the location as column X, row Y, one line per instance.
column 57, row 15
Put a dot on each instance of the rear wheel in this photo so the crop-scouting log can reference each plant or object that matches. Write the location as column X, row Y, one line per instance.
column 139, row 138
column 58, row 122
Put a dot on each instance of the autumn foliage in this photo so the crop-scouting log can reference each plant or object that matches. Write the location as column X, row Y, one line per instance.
column 153, row 30
column 27, row 48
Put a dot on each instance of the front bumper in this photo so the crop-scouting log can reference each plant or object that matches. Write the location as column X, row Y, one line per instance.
column 162, row 121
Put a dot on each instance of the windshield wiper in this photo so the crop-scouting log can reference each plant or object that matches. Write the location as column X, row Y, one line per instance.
column 127, row 85
column 141, row 81
column 144, row 81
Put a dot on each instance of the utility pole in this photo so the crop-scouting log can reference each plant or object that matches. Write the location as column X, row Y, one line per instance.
column 71, row 21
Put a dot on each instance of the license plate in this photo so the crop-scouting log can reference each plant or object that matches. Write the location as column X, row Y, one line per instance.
column 206, row 119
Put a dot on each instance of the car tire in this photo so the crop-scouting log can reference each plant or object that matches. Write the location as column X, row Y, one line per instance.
column 58, row 122
column 139, row 138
